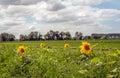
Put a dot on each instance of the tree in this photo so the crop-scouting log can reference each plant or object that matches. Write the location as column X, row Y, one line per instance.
column 47, row 36
column 61, row 34
column 57, row 35
column 52, row 35
column 7, row 37
column 40, row 37
column 78, row 36
column 22, row 37
column 33, row 35
column 68, row 36
column 11, row 37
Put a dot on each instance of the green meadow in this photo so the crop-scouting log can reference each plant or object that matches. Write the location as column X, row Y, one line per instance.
column 55, row 61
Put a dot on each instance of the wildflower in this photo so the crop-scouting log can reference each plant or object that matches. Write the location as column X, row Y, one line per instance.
column 42, row 45
column 66, row 45
column 86, row 47
column 21, row 49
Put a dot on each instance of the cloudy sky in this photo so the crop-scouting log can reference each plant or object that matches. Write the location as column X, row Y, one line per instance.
column 87, row 16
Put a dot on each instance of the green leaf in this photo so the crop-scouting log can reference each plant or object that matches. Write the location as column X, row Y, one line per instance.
column 114, row 70
column 109, row 76
column 114, row 55
column 112, row 62
column 94, row 45
column 95, row 60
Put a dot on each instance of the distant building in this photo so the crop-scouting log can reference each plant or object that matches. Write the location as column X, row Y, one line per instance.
column 106, row 36
column 113, row 36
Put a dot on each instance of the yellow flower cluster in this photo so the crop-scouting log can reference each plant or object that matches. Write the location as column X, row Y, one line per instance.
column 85, row 48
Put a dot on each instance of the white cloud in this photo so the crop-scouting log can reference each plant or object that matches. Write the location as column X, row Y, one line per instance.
column 66, row 15
column 84, row 2
column 16, row 11
column 106, row 13
column 29, row 2
column 18, row 2
column 117, row 20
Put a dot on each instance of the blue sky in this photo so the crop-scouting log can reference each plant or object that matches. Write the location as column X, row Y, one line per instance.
column 86, row 16
column 113, row 4
column 114, row 24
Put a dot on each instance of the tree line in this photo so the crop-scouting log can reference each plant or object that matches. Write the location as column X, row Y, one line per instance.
column 56, row 35
column 51, row 35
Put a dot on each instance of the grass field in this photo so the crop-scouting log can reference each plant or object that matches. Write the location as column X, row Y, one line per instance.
column 55, row 61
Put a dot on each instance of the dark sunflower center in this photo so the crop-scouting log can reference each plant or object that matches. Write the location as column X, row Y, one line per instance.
column 22, row 50
column 87, row 47
column 42, row 45
column 66, row 45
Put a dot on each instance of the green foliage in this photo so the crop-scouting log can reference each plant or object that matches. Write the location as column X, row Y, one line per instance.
column 55, row 61
column 95, row 60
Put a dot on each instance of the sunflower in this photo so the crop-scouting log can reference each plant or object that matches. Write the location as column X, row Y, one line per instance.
column 86, row 47
column 21, row 49
column 66, row 45
column 42, row 45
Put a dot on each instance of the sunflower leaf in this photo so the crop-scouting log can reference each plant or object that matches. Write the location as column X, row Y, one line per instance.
column 114, row 55
column 95, row 60
column 112, row 62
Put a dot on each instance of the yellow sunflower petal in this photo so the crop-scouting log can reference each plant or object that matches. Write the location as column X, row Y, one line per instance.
column 86, row 47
